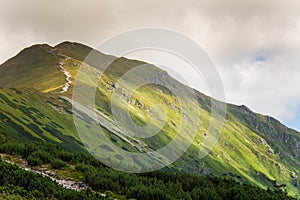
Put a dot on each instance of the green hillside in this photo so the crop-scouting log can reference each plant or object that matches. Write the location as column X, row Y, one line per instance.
column 252, row 148
column 107, row 183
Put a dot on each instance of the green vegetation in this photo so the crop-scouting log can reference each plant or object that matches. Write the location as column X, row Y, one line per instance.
column 57, row 164
column 17, row 183
column 252, row 149
column 155, row 185
column 14, row 76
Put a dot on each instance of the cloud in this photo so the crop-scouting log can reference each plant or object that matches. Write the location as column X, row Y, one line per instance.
column 254, row 44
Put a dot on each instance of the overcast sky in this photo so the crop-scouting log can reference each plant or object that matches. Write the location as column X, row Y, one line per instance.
column 255, row 44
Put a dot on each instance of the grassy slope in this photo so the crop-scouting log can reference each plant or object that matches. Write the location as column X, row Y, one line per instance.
column 31, row 115
column 252, row 148
column 35, row 61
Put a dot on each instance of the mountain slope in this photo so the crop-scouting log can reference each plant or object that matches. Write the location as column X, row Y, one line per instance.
column 252, row 148
column 32, row 62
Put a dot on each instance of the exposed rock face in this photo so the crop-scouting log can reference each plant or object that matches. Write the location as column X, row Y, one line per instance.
column 262, row 141
column 66, row 183
column 67, row 75
column 270, row 150
column 273, row 132
column 294, row 175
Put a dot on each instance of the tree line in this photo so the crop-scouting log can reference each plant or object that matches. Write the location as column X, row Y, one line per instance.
column 147, row 186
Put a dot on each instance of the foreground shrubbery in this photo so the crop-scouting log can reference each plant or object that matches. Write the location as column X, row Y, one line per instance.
column 155, row 185
column 17, row 182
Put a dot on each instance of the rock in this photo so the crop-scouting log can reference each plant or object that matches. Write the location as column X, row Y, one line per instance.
column 204, row 134
column 270, row 151
column 139, row 104
column 114, row 85
column 170, row 105
column 173, row 123
column 278, row 166
column 294, row 175
column 124, row 93
column 262, row 141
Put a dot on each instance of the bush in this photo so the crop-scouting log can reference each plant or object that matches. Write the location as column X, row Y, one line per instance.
column 45, row 157
column 155, row 185
column 81, row 167
column 57, row 164
column 34, row 161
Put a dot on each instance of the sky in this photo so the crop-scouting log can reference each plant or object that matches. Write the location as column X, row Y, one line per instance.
column 254, row 44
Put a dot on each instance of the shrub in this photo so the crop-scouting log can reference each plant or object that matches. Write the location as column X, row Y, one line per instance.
column 34, row 161
column 57, row 164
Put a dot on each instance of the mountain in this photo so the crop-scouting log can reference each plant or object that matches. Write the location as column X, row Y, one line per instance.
column 35, row 105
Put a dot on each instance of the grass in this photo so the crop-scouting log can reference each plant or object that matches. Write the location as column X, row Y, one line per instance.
column 42, row 113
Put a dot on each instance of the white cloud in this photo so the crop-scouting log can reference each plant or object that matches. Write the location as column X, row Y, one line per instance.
column 233, row 32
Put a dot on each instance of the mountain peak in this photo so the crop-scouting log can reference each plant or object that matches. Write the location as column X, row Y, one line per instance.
column 36, row 46
column 37, row 50
column 68, row 43
column 252, row 148
column 72, row 46
column 40, row 66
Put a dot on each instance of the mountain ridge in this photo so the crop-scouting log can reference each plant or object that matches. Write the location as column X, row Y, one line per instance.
column 48, row 48
column 252, row 148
